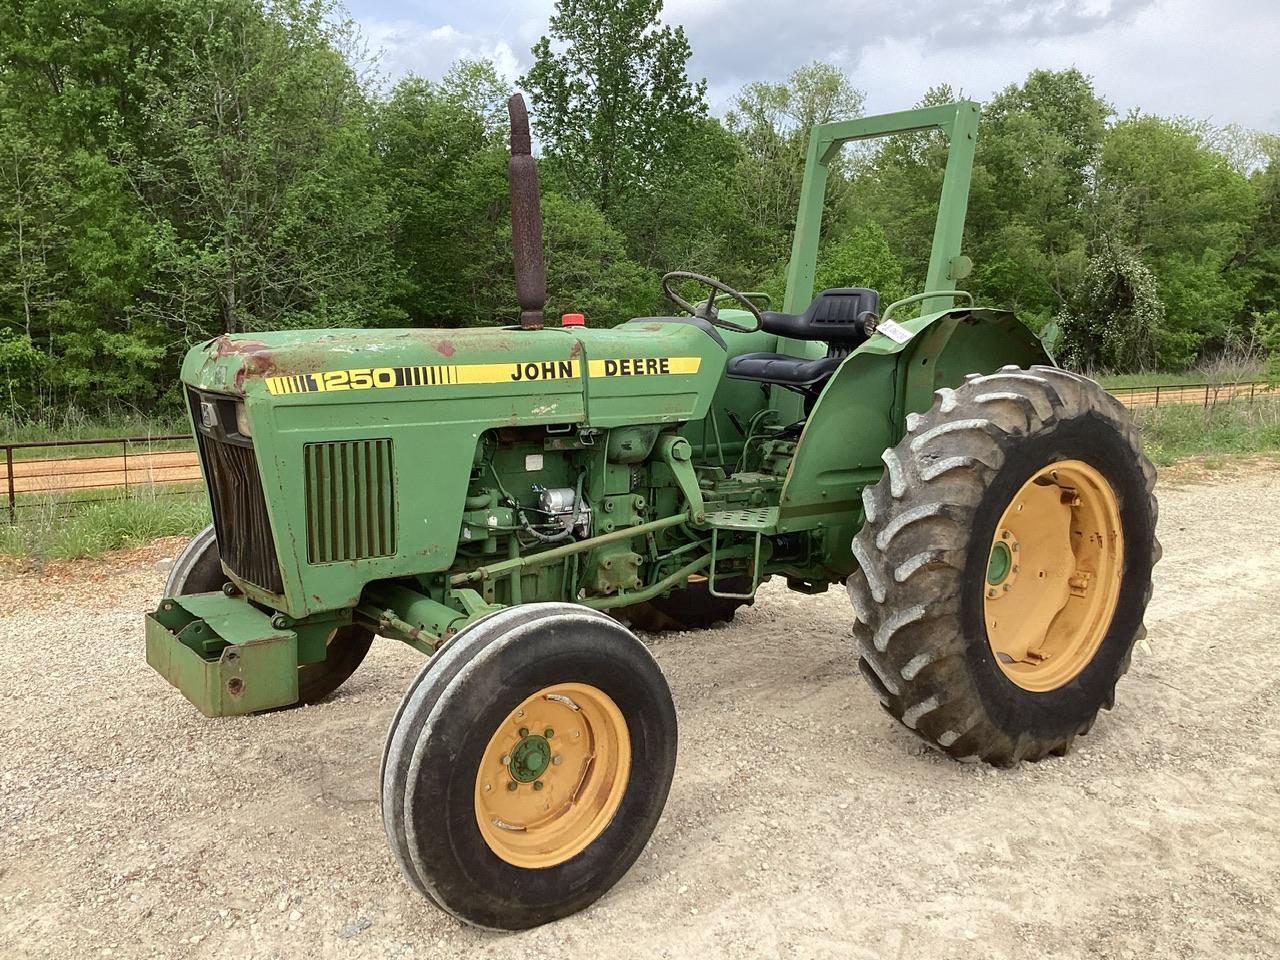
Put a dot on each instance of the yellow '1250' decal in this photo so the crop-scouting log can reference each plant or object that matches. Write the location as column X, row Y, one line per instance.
column 437, row 375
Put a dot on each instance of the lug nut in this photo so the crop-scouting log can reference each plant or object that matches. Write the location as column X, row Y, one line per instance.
column 524, row 731
column 513, row 786
column 548, row 733
column 557, row 760
column 506, row 761
column 537, row 784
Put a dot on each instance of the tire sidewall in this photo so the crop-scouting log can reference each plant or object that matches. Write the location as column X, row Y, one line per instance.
column 198, row 567
column 457, row 866
column 1094, row 440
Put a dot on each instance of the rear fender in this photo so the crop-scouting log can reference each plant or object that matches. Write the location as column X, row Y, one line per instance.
column 863, row 410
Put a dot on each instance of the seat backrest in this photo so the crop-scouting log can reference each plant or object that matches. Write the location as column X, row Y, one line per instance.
column 835, row 317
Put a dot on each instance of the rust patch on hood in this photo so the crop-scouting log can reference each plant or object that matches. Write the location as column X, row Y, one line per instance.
column 445, row 348
column 224, row 346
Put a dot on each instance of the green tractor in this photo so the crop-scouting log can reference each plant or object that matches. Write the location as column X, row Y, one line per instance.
column 502, row 499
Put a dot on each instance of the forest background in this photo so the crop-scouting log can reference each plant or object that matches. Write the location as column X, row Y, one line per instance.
column 174, row 169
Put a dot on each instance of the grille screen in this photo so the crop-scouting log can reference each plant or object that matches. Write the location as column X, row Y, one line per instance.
column 350, row 490
column 240, row 512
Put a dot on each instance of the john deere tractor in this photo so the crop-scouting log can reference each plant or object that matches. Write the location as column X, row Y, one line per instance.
column 502, row 499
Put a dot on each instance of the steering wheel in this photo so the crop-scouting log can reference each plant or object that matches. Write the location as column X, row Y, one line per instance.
column 707, row 309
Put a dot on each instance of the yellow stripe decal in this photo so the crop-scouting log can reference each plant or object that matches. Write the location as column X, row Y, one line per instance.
column 432, row 375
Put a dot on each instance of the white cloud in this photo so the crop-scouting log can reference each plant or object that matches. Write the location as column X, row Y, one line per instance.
column 1212, row 59
column 407, row 47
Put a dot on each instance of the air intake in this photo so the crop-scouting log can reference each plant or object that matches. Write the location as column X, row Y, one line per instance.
column 351, row 504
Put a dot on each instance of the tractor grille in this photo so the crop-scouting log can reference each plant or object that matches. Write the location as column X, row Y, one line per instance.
column 235, row 495
column 350, row 491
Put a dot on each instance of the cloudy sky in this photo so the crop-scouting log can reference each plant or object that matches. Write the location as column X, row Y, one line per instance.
column 1211, row 59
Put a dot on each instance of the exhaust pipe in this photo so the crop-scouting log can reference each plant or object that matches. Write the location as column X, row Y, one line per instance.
column 526, row 219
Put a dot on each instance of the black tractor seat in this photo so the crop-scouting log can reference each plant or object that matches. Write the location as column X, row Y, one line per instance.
column 781, row 369
column 841, row 318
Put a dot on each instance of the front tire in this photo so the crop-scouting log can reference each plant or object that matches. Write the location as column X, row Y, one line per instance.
column 528, row 765
column 198, row 569
column 1005, row 565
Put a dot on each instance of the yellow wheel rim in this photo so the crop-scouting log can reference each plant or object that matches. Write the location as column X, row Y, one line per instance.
column 1053, row 575
column 553, row 775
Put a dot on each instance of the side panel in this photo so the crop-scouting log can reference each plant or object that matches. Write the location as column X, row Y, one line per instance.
column 417, row 435
column 863, row 410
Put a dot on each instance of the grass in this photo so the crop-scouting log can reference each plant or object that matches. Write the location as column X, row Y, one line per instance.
column 1224, row 430
column 64, row 527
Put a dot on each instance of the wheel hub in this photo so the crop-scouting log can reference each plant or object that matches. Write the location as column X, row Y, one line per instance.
column 1053, row 575
column 529, row 758
column 553, row 775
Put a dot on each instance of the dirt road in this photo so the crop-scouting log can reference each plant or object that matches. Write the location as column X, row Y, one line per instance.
column 66, row 474
column 802, row 823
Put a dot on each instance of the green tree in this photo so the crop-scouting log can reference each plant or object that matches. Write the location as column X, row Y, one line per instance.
column 772, row 122
column 588, row 267
column 1165, row 193
column 1114, row 318
column 612, row 97
column 259, row 172
column 75, row 248
column 1029, row 216
column 443, row 156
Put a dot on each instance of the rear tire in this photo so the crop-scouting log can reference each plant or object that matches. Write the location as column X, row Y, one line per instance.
column 938, row 556
column 198, row 569
column 465, row 818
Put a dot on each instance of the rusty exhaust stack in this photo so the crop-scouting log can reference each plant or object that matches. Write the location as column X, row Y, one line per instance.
column 526, row 219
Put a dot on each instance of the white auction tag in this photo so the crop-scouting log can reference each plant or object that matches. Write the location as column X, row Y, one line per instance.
column 894, row 331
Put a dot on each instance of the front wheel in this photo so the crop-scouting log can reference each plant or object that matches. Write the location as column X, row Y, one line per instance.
column 528, row 765
column 1005, row 564
column 198, row 569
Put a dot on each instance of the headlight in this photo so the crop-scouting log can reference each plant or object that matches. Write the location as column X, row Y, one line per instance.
column 242, row 420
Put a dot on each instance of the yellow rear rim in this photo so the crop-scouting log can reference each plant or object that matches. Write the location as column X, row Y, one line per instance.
column 1053, row 575
column 553, row 775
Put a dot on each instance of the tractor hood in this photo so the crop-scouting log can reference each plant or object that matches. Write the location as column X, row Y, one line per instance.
column 256, row 363
column 656, row 370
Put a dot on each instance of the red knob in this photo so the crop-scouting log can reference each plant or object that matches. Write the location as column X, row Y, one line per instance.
column 573, row 320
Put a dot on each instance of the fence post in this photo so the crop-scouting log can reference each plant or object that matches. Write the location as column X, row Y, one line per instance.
column 1157, row 394
column 13, row 500
column 1206, row 396
column 124, row 446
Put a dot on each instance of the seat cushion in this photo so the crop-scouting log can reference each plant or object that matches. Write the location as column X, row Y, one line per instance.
column 781, row 369
column 837, row 316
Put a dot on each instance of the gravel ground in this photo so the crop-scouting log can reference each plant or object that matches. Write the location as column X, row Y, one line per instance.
column 802, row 822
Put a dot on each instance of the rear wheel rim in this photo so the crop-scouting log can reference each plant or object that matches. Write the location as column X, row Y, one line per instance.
column 553, row 775
column 1053, row 575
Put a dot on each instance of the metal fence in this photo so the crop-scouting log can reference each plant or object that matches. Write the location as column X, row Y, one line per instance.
column 1205, row 394
column 58, row 477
